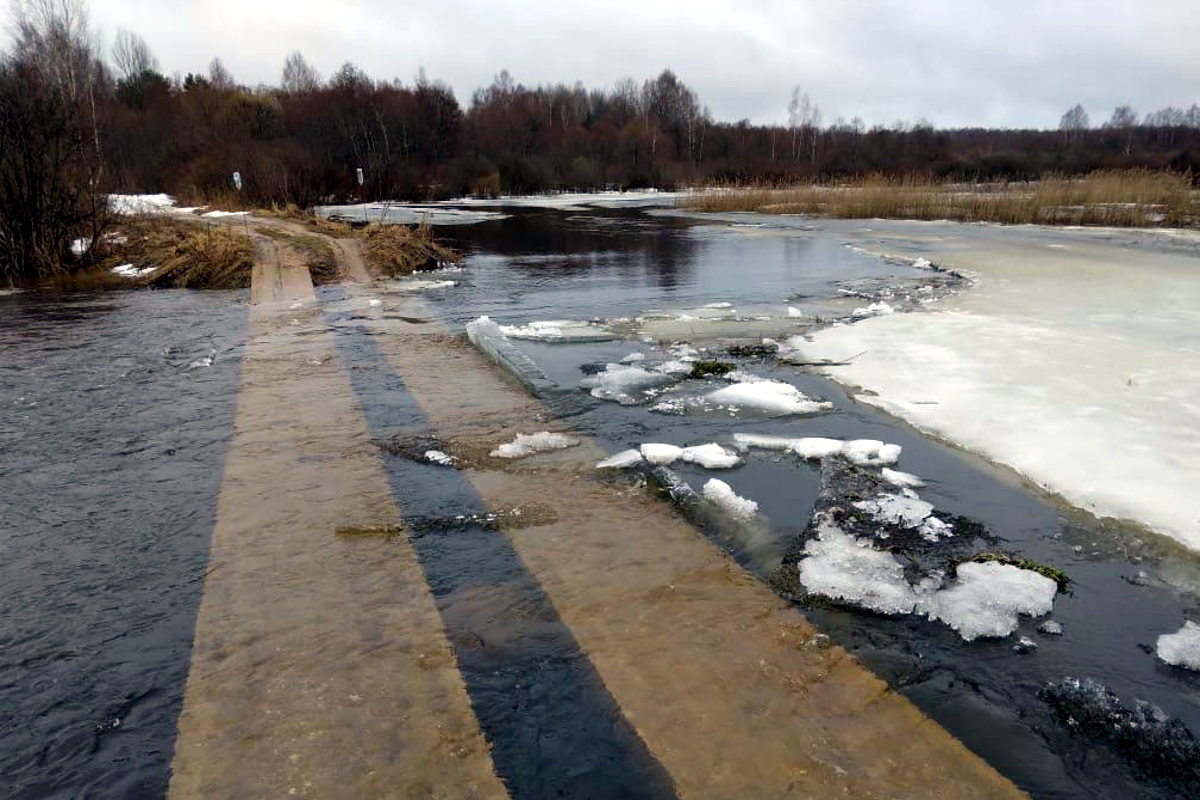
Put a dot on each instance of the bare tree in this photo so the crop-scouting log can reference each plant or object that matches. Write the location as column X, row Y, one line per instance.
column 1122, row 117
column 218, row 76
column 1073, row 122
column 131, row 55
column 298, row 75
column 50, row 159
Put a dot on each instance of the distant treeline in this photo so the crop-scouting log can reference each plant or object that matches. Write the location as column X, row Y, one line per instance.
column 78, row 120
column 302, row 142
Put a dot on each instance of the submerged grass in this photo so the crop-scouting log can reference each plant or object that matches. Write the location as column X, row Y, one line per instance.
column 1127, row 198
column 399, row 250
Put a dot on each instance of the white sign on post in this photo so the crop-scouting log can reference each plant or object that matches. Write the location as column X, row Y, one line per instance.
column 360, row 176
column 237, row 181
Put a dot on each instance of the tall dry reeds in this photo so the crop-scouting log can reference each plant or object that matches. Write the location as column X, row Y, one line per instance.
column 1129, row 198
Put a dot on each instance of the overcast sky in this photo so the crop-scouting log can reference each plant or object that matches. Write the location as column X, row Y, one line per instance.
column 1012, row 63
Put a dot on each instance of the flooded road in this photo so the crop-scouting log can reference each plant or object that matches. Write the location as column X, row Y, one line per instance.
column 368, row 623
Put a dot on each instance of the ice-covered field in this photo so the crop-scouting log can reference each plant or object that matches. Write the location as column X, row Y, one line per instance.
column 1075, row 359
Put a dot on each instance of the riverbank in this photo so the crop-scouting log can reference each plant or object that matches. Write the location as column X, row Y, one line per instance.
column 155, row 244
column 1126, row 198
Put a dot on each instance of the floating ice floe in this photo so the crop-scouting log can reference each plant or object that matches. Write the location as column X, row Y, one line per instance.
column 1181, row 649
column 770, row 397
column 709, row 456
column 130, row 271
column 626, row 384
column 558, row 330
column 633, row 358
column 871, row 452
column 864, row 452
column 527, row 445
column 722, row 494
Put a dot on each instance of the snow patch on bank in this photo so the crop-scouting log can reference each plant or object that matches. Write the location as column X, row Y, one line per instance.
column 1057, row 363
column 130, row 271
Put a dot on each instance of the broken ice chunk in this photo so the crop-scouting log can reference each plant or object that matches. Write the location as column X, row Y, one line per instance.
column 661, row 453
column 723, row 495
column 625, row 458
column 988, row 599
column 525, row 445
column 1182, row 648
column 903, row 480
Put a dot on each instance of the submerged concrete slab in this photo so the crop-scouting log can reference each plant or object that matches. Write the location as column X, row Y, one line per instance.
column 320, row 666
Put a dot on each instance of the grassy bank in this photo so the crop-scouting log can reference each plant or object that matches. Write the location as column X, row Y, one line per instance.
column 185, row 254
column 1129, row 198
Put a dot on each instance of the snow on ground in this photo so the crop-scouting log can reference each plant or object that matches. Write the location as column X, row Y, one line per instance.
column 1182, row 649
column 573, row 201
column 527, row 445
column 223, row 214
column 986, row 600
column 141, row 203
column 1079, row 367
column 722, row 494
column 130, row 271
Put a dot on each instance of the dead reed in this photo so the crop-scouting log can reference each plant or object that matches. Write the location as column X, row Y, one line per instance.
column 1126, row 198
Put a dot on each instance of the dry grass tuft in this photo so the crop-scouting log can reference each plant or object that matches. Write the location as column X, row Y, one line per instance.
column 399, row 250
column 187, row 254
column 1126, row 198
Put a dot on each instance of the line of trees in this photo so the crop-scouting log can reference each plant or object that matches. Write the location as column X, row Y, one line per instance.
column 77, row 120
column 301, row 141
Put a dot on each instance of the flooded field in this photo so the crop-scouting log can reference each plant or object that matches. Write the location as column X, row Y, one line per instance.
column 285, row 551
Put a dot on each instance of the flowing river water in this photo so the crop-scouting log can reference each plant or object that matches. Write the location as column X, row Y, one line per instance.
column 214, row 580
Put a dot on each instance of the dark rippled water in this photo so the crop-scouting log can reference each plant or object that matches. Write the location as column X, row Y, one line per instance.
column 111, row 450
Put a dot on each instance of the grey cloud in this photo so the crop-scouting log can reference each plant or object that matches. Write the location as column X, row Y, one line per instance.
column 957, row 62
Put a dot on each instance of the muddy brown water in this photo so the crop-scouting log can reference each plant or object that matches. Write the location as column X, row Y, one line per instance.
column 181, row 616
